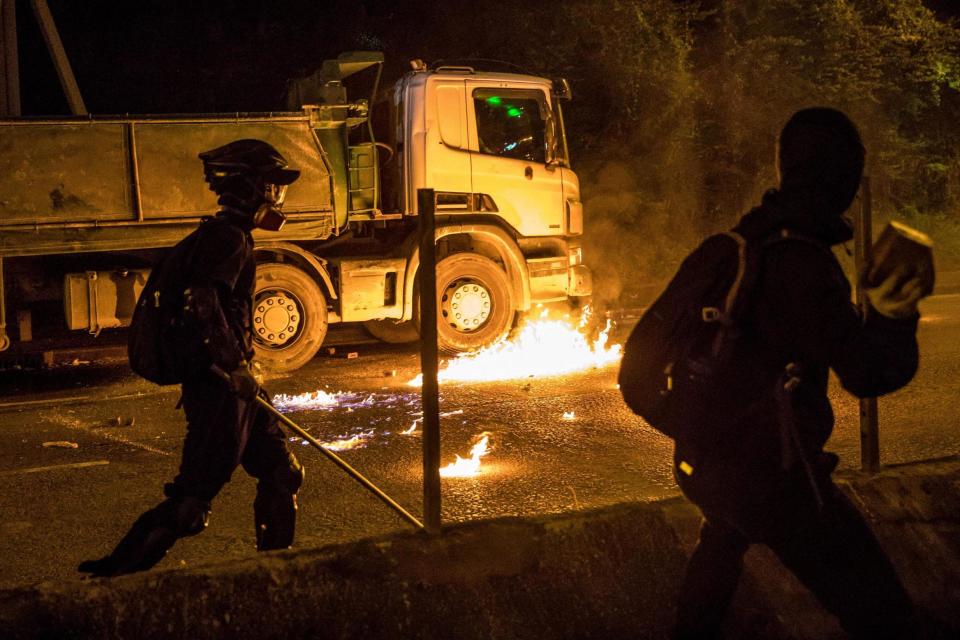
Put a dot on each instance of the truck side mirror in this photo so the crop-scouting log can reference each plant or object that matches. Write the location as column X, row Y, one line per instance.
column 561, row 89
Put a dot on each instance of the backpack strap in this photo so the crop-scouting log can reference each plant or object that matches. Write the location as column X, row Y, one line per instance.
column 740, row 279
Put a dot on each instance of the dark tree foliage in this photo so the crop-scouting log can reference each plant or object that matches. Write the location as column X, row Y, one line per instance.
column 676, row 108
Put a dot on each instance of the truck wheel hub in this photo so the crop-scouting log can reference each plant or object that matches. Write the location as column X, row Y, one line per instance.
column 276, row 318
column 465, row 305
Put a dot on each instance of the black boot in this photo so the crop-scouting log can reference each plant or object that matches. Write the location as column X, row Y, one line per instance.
column 151, row 536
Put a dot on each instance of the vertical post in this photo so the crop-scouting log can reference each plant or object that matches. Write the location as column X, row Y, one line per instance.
column 55, row 46
column 10, row 67
column 863, row 244
column 430, row 391
column 4, row 338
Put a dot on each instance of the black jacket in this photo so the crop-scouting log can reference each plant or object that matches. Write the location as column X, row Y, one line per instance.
column 800, row 311
column 219, row 275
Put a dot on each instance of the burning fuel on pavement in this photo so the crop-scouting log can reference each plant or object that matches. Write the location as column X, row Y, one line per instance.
column 468, row 467
column 542, row 347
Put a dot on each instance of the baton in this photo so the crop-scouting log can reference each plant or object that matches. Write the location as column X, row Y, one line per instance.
column 337, row 460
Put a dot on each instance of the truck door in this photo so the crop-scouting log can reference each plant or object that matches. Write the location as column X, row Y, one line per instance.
column 446, row 157
column 509, row 129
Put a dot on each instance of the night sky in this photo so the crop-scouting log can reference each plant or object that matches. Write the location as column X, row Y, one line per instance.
column 156, row 56
column 168, row 56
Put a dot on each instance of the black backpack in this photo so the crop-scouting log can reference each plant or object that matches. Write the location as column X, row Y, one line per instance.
column 153, row 347
column 678, row 371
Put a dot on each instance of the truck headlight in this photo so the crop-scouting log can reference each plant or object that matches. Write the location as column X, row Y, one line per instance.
column 575, row 255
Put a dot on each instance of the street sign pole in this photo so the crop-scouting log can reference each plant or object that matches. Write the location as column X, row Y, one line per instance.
column 863, row 243
column 430, row 391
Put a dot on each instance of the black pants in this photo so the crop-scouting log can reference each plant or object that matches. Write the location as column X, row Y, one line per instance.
column 831, row 550
column 223, row 432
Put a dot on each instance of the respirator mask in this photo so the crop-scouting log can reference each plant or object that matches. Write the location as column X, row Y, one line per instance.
column 269, row 216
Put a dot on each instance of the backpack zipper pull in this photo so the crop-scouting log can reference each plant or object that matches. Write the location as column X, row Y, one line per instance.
column 156, row 299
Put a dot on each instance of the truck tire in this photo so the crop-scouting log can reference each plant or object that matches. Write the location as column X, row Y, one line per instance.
column 392, row 332
column 289, row 317
column 474, row 303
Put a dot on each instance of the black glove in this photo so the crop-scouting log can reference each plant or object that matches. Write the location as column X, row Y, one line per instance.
column 243, row 383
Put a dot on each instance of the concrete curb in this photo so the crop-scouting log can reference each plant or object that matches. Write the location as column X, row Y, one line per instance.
column 607, row 573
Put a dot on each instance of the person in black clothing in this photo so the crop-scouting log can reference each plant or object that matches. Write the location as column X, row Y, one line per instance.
column 225, row 427
column 799, row 324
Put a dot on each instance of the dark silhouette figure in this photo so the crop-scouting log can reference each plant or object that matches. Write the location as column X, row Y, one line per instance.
column 798, row 324
column 215, row 271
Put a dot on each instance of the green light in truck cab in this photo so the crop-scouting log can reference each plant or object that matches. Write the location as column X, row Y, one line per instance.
column 494, row 100
column 513, row 112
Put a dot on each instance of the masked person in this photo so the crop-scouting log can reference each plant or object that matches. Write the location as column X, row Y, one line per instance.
column 215, row 269
column 800, row 312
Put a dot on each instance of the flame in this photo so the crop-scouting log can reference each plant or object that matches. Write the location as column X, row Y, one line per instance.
column 468, row 467
column 543, row 347
column 346, row 443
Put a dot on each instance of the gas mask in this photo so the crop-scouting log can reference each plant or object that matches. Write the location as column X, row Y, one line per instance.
column 269, row 216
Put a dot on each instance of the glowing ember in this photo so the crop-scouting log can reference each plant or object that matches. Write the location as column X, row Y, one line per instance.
column 468, row 467
column 543, row 347
column 569, row 415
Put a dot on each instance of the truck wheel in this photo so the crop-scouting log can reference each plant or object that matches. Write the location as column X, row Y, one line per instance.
column 392, row 332
column 289, row 317
column 474, row 303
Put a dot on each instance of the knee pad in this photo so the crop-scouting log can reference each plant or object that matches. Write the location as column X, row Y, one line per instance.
column 275, row 507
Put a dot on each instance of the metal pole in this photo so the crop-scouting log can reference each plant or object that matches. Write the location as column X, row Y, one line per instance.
column 10, row 102
column 337, row 460
column 863, row 244
column 430, row 391
column 55, row 46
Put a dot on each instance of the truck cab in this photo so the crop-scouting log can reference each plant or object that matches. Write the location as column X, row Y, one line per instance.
column 493, row 148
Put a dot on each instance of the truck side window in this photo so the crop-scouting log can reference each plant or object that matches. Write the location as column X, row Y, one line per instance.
column 511, row 123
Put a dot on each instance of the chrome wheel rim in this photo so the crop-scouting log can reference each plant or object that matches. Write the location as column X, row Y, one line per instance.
column 277, row 319
column 466, row 305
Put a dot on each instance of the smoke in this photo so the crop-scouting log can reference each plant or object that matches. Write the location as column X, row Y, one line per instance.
column 635, row 233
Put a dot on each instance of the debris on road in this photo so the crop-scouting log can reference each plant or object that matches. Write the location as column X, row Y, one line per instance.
column 119, row 421
column 61, row 444
column 569, row 415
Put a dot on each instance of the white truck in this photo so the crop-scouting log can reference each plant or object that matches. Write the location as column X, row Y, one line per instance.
column 87, row 204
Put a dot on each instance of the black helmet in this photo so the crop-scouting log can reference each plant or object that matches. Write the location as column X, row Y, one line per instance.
column 247, row 158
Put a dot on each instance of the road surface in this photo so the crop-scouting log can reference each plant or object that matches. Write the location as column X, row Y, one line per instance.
column 558, row 444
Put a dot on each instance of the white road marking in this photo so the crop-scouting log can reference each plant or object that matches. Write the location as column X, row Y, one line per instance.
column 55, row 467
column 28, row 403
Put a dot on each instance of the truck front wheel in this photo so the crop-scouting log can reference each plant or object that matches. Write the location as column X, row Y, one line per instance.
column 289, row 317
column 474, row 304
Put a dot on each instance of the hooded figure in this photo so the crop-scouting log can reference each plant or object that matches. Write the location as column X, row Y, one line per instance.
column 799, row 319
column 214, row 270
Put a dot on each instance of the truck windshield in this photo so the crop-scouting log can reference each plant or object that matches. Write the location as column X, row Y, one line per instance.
column 511, row 123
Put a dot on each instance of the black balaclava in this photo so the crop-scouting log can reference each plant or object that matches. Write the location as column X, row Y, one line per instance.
column 820, row 159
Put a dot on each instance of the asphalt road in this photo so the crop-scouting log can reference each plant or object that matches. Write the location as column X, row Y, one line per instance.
column 62, row 505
